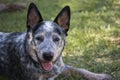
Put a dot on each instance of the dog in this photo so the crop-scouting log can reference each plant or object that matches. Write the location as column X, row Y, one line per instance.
column 37, row 53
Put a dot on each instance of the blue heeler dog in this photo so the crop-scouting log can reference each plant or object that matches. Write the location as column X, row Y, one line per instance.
column 37, row 53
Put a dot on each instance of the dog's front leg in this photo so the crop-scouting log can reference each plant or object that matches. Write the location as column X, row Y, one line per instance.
column 85, row 73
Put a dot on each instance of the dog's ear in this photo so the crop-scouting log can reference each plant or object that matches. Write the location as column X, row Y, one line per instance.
column 63, row 18
column 33, row 16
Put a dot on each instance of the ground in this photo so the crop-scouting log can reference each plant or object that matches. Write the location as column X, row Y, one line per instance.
column 93, row 40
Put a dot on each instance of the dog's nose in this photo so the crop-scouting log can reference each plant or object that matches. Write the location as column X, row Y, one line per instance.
column 48, row 56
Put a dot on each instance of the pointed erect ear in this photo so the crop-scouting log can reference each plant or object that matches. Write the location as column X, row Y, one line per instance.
column 63, row 18
column 33, row 16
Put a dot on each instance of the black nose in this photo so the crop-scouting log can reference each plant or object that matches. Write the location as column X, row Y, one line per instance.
column 48, row 56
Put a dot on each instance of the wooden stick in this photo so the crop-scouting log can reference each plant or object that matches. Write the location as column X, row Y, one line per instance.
column 12, row 7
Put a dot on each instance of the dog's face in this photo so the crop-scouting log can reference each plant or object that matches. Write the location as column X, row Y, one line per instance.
column 46, row 39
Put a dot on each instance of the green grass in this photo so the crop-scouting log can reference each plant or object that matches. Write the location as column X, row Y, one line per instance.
column 92, row 42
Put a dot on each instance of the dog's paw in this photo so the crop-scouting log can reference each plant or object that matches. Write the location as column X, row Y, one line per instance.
column 103, row 77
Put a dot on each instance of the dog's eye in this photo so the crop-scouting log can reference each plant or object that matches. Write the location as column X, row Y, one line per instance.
column 40, row 38
column 56, row 39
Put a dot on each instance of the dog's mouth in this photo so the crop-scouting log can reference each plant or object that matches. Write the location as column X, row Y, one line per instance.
column 47, row 66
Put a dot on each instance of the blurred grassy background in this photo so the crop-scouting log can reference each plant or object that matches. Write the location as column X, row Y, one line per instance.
column 93, row 42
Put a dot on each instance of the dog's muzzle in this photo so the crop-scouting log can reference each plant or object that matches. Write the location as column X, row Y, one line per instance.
column 48, row 56
column 47, row 64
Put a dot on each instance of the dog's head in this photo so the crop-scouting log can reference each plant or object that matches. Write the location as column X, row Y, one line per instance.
column 46, row 39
